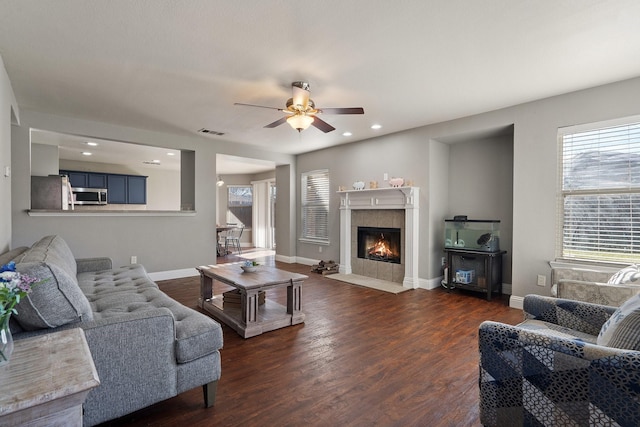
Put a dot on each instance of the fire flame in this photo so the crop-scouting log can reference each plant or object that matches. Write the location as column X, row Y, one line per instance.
column 380, row 248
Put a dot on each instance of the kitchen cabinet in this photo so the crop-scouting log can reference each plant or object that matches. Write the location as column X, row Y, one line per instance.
column 121, row 188
column 77, row 179
column 137, row 189
column 97, row 180
column 127, row 189
column 117, row 189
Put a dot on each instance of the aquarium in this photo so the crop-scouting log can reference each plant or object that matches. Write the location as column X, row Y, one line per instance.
column 472, row 234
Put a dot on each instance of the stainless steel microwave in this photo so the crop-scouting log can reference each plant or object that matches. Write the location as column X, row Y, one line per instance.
column 89, row 196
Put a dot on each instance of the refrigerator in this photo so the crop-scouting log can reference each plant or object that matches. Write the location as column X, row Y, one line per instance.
column 51, row 192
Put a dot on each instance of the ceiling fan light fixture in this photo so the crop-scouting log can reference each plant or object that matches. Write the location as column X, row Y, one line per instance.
column 300, row 122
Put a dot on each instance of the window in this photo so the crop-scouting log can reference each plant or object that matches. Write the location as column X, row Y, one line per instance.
column 600, row 194
column 315, row 206
column 240, row 205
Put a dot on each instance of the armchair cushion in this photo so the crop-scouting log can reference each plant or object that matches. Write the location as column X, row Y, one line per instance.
column 622, row 330
column 531, row 375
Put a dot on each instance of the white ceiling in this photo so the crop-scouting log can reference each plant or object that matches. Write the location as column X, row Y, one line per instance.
column 179, row 65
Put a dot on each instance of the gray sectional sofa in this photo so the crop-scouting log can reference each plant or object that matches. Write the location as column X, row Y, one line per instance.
column 146, row 346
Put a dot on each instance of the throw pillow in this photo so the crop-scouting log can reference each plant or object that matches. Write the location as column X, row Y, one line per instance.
column 622, row 330
column 56, row 301
column 626, row 275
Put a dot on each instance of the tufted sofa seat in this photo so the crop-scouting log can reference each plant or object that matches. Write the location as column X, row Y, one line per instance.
column 146, row 346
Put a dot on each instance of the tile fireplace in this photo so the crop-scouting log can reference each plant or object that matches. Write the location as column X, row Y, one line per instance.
column 389, row 217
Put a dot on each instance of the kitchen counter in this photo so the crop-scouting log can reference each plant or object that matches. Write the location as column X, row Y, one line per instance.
column 105, row 212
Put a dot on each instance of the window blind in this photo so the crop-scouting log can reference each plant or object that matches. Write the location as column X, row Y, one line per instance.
column 315, row 206
column 600, row 194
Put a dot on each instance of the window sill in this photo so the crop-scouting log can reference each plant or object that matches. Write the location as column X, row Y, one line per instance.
column 314, row 241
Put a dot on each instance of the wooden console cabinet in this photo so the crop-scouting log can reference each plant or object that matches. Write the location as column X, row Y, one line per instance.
column 47, row 380
column 486, row 268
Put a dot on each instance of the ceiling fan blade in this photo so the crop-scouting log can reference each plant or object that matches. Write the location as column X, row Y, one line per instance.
column 277, row 122
column 258, row 106
column 351, row 110
column 322, row 125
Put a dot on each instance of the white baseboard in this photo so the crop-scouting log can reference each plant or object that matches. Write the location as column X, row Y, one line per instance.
column 306, row 261
column 173, row 274
column 286, row 259
column 429, row 284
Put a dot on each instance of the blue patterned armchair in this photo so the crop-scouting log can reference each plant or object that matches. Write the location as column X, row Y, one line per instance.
column 550, row 370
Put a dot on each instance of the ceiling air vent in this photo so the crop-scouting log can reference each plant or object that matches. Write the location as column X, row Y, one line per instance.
column 210, row 132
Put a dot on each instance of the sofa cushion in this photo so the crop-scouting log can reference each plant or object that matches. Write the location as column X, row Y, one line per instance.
column 628, row 275
column 57, row 300
column 130, row 278
column 196, row 335
column 622, row 330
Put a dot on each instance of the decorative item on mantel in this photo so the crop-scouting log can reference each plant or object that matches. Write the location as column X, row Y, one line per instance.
column 13, row 287
column 358, row 185
column 373, row 185
column 396, row 182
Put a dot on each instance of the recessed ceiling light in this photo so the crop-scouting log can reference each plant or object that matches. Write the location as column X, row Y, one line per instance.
column 376, row 126
column 347, row 134
column 86, row 153
column 93, row 144
column 171, row 154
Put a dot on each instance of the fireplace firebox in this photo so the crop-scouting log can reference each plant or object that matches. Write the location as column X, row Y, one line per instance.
column 379, row 244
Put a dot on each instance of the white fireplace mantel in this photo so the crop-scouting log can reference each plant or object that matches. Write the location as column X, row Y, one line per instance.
column 407, row 198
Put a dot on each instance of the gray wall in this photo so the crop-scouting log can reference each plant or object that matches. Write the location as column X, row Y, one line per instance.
column 161, row 243
column 417, row 153
column 9, row 113
column 480, row 182
column 44, row 160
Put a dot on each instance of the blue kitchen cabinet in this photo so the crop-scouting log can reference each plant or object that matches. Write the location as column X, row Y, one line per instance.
column 137, row 190
column 77, row 179
column 126, row 189
column 116, row 189
column 97, row 180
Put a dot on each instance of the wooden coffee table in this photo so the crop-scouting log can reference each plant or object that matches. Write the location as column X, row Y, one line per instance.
column 253, row 316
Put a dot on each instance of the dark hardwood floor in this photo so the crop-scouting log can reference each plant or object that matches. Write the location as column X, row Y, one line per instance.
column 362, row 358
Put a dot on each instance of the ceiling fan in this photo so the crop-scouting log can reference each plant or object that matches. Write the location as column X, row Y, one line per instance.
column 301, row 111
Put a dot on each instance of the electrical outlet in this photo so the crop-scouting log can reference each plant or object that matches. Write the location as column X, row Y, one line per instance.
column 442, row 260
column 134, row 259
column 542, row 280
column 320, row 249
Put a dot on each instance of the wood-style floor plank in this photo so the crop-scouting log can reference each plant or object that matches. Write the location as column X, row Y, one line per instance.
column 362, row 358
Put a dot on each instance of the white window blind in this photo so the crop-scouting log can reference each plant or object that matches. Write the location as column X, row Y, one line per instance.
column 600, row 194
column 315, row 206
